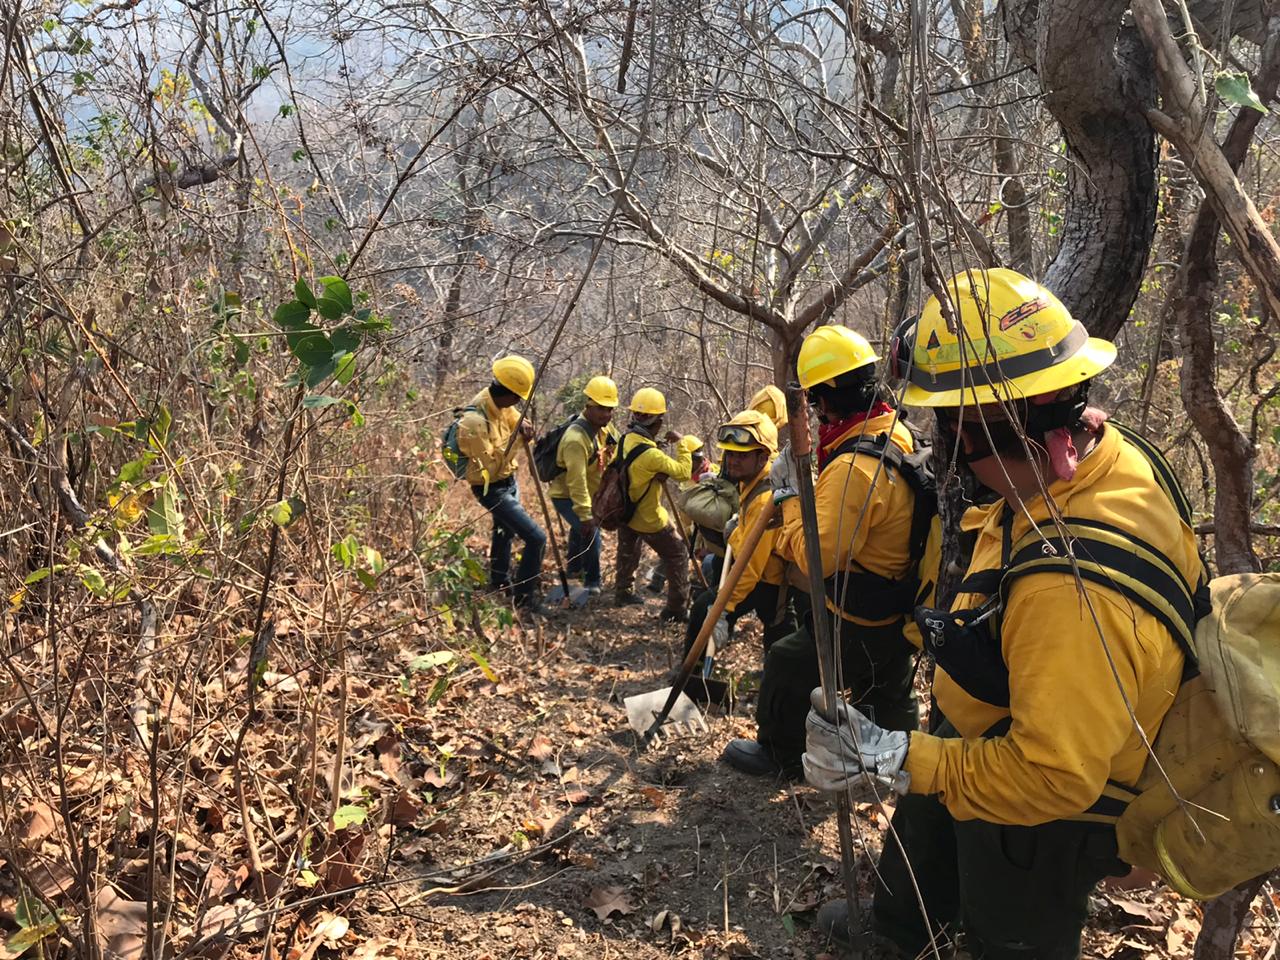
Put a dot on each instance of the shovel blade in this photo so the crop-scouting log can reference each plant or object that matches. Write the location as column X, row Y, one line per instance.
column 684, row 719
column 576, row 597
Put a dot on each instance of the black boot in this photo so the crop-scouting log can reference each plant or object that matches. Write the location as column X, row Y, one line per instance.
column 754, row 758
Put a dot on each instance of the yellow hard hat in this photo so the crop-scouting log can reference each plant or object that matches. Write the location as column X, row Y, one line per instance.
column 829, row 352
column 748, row 431
column 602, row 391
column 649, row 402
column 516, row 374
column 770, row 401
column 1019, row 341
column 693, row 443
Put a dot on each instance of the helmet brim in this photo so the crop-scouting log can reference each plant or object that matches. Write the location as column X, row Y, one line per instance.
column 740, row 447
column 1087, row 362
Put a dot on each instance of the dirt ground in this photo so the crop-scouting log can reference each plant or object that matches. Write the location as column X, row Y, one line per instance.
column 546, row 833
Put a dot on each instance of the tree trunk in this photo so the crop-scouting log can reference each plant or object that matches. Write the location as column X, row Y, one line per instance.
column 1097, row 78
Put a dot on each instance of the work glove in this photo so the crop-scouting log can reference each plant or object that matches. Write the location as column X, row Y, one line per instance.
column 730, row 525
column 782, row 476
column 853, row 753
column 720, row 632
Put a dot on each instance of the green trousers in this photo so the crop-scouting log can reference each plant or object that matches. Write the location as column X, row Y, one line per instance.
column 877, row 669
column 1018, row 892
column 778, row 614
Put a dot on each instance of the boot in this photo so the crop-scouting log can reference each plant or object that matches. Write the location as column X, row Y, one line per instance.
column 754, row 758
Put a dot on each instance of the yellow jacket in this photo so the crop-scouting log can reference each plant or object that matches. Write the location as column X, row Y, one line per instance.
column 581, row 477
column 1070, row 727
column 483, row 438
column 764, row 564
column 646, row 476
column 880, row 542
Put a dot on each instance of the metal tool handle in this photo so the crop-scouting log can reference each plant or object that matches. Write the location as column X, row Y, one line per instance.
column 749, row 544
column 802, row 452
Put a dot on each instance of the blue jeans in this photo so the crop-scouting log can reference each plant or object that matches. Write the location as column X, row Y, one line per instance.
column 509, row 521
column 581, row 556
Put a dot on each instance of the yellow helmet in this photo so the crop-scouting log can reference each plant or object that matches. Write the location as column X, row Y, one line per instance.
column 516, row 374
column 770, row 401
column 693, row 443
column 748, row 431
column 602, row 391
column 1019, row 341
column 649, row 402
column 829, row 352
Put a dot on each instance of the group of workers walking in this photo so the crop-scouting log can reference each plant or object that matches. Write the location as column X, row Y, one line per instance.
column 1046, row 684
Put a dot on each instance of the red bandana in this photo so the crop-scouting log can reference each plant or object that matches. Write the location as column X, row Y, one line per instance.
column 830, row 433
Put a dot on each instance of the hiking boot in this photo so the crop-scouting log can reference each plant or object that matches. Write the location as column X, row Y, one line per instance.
column 628, row 600
column 594, row 590
column 530, row 607
column 673, row 616
column 754, row 758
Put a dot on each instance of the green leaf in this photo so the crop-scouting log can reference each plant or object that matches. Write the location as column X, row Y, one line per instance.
column 318, row 401
column 348, row 815
column 345, row 339
column 318, row 375
column 483, row 664
column 158, row 435
column 1235, row 88
column 438, row 690
column 346, row 551
column 373, row 560
column 789, row 924
column 35, row 576
column 164, row 515
column 285, row 512
column 304, row 294
column 240, row 352
column 329, row 308
column 437, row 658
column 367, row 580
column 93, row 581
column 313, row 349
column 344, row 368
column 291, row 314
column 335, row 288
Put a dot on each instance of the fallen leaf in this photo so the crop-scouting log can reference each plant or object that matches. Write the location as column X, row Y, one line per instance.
column 606, row 901
column 404, row 809
column 235, row 919
column 37, row 823
column 654, row 796
column 578, row 798
column 122, row 925
column 1142, row 911
column 540, row 749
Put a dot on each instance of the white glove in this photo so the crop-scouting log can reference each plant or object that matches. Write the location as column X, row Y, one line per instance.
column 782, row 476
column 730, row 525
column 720, row 632
column 851, row 752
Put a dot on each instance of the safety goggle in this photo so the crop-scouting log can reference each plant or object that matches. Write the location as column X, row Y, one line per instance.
column 739, row 436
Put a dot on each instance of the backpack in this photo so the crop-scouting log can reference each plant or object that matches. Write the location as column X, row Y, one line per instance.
column 710, row 502
column 546, row 449
column 454, row 458
column 612, row 506
column 870, row 596
column 1219, row 743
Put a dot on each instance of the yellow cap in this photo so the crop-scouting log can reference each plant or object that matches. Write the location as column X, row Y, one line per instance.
column 829, row 352
column 693, row 443
column 770, row 401
column 748, row 431
column 601, row 391
column 1017, row 341
column 516, row 374
column 649, row 402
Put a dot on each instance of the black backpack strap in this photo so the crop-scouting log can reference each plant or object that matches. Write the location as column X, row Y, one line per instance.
column 1115, row 559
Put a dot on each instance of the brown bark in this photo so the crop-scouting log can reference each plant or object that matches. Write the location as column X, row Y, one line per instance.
column 1096, row 78
column 1183, row 122
column 1191, row 305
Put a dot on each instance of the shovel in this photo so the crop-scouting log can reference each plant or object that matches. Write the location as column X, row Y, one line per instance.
column 671, row 706
column 563, row 595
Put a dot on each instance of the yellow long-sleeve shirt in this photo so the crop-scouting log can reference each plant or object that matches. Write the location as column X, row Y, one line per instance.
column 581, row 477
column 880, row 542
column 765, row 564
column 1070, row 729
column 483, row 438
column 646, row 475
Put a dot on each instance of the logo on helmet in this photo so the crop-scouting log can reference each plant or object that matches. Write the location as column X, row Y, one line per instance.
column 1022, row 312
